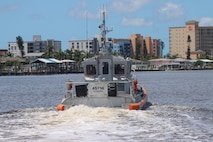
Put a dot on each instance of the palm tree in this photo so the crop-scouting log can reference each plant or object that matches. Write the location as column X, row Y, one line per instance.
column 162, row 45
column 79, row 57
column 188, row 49
column 59, row 55
column 48, row 52
column 20, row 42
column 68, row 54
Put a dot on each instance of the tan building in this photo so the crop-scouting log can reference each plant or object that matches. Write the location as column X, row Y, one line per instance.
column 146, row 46
column 137, row 46
column 155, row 48
column 201, row 39
column 148, row 41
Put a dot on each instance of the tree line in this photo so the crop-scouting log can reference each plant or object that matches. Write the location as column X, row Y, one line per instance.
column 75, row 55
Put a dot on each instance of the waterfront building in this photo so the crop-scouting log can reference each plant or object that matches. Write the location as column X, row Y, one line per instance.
column 138, row 65
column 148, row 43
column 122, row 47
column 34, row 49
column 169, row 64
column 42, row 65
column 137, row 46
column 155, row 48
column 201, row 40
column 143, row 47
column 90, row 45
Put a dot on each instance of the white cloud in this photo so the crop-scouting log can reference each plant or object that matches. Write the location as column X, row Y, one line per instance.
column 135, row 22
column 83, row 14
column 127, row 5
column 80, row 11
column 171, row 11
column 8, row 8
column 206, row 21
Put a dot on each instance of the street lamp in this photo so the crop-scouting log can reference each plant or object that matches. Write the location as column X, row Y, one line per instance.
column 188, row 49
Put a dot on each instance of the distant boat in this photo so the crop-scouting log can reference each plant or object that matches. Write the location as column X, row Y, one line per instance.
column 108, row 82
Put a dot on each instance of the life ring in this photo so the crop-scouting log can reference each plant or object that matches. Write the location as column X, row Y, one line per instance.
column 139, row 105
column 60, row 107
column 135, row 106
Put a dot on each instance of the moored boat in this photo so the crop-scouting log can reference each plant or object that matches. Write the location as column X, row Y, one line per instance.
column 108, row 82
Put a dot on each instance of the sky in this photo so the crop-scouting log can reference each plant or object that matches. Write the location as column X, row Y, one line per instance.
column 66, row 20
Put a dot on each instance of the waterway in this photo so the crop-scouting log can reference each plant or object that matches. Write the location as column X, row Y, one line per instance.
column 182, row 110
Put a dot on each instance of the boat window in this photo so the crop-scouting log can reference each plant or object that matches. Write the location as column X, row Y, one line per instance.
column 105, row 68
column 91, row 70
column 119, row 68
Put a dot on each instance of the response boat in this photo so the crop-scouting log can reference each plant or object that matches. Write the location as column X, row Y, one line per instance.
column 108, row 82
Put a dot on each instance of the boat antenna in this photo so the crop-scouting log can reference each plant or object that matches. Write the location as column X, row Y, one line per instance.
column 104, row 50
column 87, row 39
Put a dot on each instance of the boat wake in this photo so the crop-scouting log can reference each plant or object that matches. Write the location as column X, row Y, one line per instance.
column 83, row 123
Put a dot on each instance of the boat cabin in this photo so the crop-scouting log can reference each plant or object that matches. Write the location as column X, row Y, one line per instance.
column 107, row 68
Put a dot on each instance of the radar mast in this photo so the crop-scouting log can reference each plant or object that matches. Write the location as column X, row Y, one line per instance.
column 104, row 30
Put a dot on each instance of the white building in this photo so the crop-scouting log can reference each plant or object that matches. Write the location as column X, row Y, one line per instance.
column 35, row 48
column 90, row 45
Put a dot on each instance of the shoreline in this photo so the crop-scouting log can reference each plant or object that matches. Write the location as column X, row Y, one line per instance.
column 54, row 73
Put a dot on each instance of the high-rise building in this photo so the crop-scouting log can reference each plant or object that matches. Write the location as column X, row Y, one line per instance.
column 148, row 43
column 143, row 47
column 201, row 39
column 34, row 49
column 155, row 48
column 137, row 46
column 90, row 45
column 122, row 47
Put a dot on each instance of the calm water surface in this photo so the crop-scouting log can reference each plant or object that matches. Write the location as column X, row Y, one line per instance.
column 182, row 110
